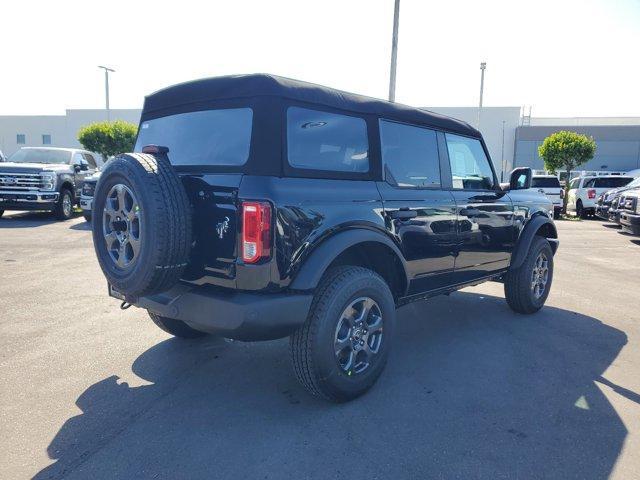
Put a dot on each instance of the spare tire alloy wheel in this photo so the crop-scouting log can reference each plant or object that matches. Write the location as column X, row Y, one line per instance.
column 141, row 225
column 121, row 225
column 540, row 275
column 358, row 335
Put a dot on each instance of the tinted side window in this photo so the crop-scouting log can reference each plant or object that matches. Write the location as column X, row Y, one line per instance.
column 410, row 154
column 541, row 182
column 589, row 183
column 470, row 166
column 90, row 160
column 319, row 140
column 574, row 183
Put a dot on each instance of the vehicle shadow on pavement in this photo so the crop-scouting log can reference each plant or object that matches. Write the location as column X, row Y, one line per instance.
column 26, row 219
column 29, row 219
column 471, row 390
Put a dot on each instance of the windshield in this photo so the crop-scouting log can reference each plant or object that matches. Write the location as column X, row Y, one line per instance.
column 40, row 155
column 541, row 182
column 210, row 137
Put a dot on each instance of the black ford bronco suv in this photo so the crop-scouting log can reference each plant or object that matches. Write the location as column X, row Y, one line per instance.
column 258, row 207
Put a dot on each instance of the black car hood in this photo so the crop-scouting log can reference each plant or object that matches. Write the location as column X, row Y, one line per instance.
column 10, row 167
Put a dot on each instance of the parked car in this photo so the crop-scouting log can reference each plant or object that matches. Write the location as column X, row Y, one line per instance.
column 39, row 178
column 630, row 211
column 584, row 191
column 607, row 204
column 257, row 207
column 549, row 185
column 86, row 195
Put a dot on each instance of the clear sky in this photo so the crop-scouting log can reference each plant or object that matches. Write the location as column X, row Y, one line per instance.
column 563, row 57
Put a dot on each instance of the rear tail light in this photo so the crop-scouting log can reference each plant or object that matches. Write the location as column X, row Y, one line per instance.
column 256, row 231
column 591, row 193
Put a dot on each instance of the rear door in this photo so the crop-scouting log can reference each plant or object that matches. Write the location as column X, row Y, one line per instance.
column 206, row 148
column 417, row 211
column 485, row 217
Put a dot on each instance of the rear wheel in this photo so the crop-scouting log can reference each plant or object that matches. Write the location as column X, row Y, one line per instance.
column 580, row 211
column 527, row 287
column 342, row 348
column 177, row 328
column 1, row 212
column 64, row 208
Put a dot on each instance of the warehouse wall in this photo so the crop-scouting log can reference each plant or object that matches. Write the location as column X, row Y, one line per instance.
column 618, row 146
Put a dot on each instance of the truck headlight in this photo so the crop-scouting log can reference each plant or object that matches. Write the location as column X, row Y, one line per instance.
column 48, row 180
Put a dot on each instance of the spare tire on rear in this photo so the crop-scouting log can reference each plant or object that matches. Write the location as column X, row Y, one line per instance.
column 141, row 224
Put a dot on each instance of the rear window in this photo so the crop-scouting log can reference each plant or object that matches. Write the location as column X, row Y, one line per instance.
column 211, row 137
column 609, row 182
column 542, row 182
column 318, row 140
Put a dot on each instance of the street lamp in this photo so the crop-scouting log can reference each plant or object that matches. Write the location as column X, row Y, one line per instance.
column 106, row 87
column 394, row 52
column 483, row 66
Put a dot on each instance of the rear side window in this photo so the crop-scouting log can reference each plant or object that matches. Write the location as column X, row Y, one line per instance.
column 611, row 182
column 319, row 140
column 542, row 182
column 470, row 166
column 211, row 137
column 410, row 154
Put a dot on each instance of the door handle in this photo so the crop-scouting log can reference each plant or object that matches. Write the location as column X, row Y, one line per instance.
column 403, row 214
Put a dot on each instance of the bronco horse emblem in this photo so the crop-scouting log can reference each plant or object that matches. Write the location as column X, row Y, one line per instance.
column 222, row 227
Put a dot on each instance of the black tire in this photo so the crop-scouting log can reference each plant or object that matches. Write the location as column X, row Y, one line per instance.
column 177, row 328
column 87, row 216
column 556, row 214
column 580, row 212
column 163, row 217
column 518, row 284
column 61, row 211
column 312, row 346
column 1, row 213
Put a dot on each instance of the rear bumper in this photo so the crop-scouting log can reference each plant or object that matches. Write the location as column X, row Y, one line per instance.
column 29, row 200
column 630, row 222
column 238, row 315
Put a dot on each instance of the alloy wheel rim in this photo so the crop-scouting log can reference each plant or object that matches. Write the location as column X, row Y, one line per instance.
column 540, row 275
column 66, row 205
column 358, row 335
column 122, row 226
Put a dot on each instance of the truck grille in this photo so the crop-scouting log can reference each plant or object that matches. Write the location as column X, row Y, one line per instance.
column 20, row 181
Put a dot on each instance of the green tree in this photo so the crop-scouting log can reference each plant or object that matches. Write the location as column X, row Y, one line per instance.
column 566, row 150
column 108, row 138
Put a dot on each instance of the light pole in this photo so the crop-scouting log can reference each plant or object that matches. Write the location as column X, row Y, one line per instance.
column 106, row 88
column 483, row 66
column 394, row 52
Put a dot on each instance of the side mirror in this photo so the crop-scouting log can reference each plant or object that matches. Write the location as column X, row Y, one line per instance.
column 520, row 178
column 84, row 167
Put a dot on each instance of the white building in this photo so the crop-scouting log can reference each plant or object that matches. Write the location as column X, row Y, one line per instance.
column 18, row 131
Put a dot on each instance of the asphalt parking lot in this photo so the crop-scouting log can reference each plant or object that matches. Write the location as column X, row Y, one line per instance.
column 472, row 390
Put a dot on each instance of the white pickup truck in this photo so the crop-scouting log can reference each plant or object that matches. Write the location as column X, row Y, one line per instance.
column 549, row 185
column 584, row 191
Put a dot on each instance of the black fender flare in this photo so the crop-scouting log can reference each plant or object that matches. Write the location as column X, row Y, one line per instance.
column 526, row 237
column 322, row 256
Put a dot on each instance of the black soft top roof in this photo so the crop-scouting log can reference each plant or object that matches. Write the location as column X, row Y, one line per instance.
column 264, row 85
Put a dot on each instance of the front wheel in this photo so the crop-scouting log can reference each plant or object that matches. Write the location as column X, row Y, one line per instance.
column 64, row 208
column 342, row 348
column 177, row 328
column 526, row 288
